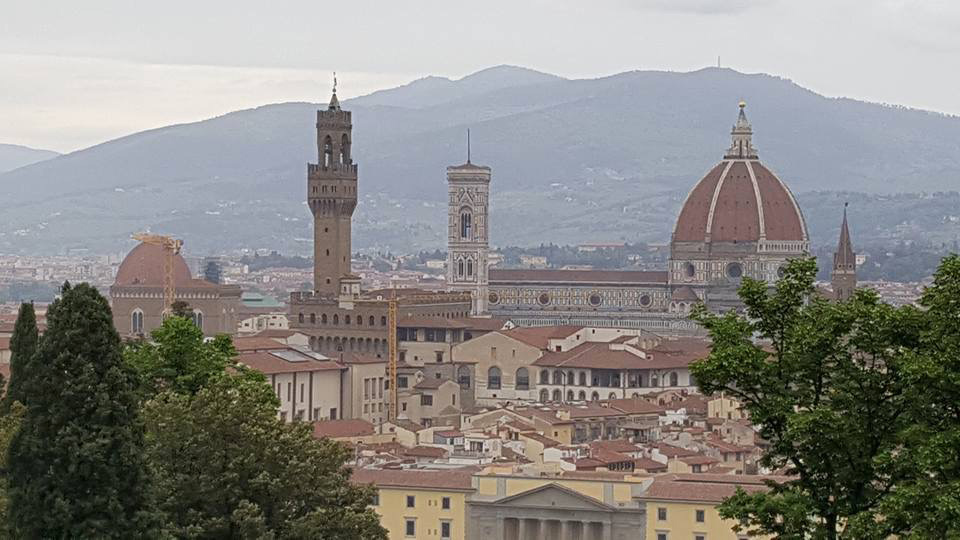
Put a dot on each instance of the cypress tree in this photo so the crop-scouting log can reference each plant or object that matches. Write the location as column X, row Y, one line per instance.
column 23, row 345
column 76, row 465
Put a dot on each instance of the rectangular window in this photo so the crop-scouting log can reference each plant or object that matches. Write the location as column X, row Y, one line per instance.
column 662, row 514
column 380, row 386
column 426, row 400
column 333, row 413
column 301, row 392
column 444, row 529
column 493, row 353
column 366, row 389
column 445, row 503
column 376, row 498
column 289, row 391
column 701, row 516
column 411, row 501
column 439, row 356
column 410, row 530
column 661, row 536
column 401, row 382
column 699, row 537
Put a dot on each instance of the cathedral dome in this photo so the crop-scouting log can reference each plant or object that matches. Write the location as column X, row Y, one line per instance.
column 740, row 200
column 143, row 267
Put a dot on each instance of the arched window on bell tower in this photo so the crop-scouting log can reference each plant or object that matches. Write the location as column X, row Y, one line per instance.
column 327, row 152
column 466, row 224
column 469, row 267
column 344, row 149
column 460, row 268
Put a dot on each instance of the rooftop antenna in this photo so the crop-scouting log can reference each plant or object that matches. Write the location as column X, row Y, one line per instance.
column 334, row 82
column 718, row 60
column 468, row 146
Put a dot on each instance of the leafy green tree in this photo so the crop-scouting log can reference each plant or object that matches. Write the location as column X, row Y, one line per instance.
column 927, row 504
column 827, row 385
column 226, row 467
column 23, row 345
column 179, row 359
column 76, row 463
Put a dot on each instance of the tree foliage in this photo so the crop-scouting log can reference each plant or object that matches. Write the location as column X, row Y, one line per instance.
column 226, row 467
column 23, row 345
column 76, row 463
column 178, row 358
column 825, row 383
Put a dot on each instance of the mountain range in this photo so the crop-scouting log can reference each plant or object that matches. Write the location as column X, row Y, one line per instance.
column 587, row 160
column 13, row 156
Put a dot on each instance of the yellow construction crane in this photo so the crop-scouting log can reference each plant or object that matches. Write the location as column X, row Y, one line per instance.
column 171, row 248
column 392, row 354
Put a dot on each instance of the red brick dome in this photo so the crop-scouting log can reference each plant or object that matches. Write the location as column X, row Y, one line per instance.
column 143, row 266
column 740, row 200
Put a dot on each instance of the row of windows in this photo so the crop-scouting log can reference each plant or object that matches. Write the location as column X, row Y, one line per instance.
column 371, row 321
column 522, row 381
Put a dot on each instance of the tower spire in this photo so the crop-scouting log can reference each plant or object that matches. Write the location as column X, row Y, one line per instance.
column 843, row 278
column 334, row 102
column 741, row 146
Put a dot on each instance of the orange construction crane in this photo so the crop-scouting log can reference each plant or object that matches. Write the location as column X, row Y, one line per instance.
column 171, row 247
column 392, row 353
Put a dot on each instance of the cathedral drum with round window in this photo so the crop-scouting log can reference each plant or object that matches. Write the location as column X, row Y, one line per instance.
column 544, row 299
column 493, row 298
column 594, row 299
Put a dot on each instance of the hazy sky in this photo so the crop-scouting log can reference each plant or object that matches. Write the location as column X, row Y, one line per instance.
column 73, row 74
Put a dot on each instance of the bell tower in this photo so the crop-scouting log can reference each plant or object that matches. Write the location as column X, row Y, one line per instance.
column 468, row 243
column 843, row 278
column 332, row 197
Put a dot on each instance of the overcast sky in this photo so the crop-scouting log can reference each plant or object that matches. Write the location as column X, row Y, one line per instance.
column 73, row 74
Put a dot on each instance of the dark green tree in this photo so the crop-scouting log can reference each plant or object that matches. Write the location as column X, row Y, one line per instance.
column 23, row 345
column 226, row 467
column 827, row 385
column 178, row 358
column 927, row 504
column 76, row 464
column 9, row 425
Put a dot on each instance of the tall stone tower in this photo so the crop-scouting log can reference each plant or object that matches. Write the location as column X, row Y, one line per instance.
column 843, row 278
column 468, row 242
column 332, row 196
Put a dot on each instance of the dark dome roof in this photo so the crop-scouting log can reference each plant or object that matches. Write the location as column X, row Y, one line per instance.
column 740, row 200
column 143, row 266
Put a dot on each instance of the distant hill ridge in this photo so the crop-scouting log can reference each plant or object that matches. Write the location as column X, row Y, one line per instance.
column 584, row 147
column 13, row 156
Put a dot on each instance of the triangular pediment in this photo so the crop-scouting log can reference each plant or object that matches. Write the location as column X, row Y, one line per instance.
column 554, row 496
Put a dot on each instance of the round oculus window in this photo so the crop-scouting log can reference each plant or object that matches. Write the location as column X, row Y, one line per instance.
column 493, row 298
column 595, row 299
column 690, row 270
column 781, row 272
column 734, row 270
column 645, row 300
column 544, row 299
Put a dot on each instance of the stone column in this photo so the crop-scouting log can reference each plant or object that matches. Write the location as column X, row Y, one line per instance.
column 523, row 529
column 565, row 530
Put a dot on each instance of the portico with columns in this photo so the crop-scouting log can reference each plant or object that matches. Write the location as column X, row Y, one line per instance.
column 553, row 512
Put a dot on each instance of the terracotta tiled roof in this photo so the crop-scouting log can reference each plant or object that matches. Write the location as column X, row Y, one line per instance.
column 667, row 355
column 342, row 428
column 269, row 363
column 636, row 406
column 545, row 441
column 540, row 336
column 456, row 479
column 483, row 323
column 704, row 487
column 407, row 425
column 143, row 267
column 698, row 460
column 257, row 343
column 648, row 465
column 726, row 201
column 274, row 333
column 671, row 451
column 619, row 277
column 616, row 445
column 429, row 384
column 425, row 452
column 608, row 456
